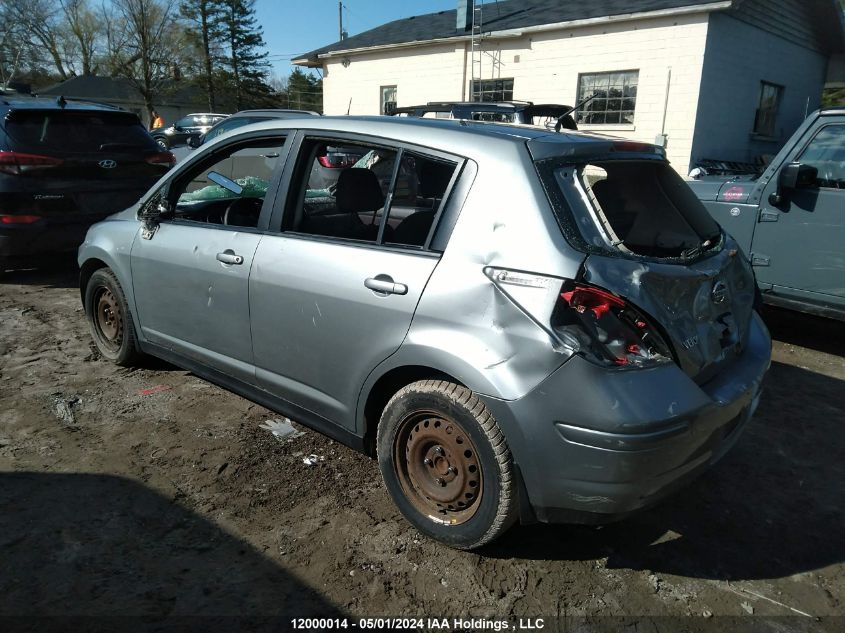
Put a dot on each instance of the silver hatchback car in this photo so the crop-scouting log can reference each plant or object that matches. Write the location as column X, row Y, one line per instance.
column 519, row 325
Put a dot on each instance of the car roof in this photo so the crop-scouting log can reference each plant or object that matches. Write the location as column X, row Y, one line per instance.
column 206, row 114
column 468, row 138
column 276, row 113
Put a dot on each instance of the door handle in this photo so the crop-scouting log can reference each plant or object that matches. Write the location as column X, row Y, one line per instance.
column 384, row 285
column 228, row 257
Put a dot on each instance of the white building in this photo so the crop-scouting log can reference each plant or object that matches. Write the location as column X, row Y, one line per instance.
column 726, row 80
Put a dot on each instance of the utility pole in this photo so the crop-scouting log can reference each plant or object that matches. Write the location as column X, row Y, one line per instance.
column 340, row 19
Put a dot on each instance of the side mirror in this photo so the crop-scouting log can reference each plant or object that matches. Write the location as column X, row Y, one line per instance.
column 194, row 141
column 791, row 177
column 155, row 208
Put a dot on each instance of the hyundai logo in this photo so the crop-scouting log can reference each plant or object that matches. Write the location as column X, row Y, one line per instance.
column 719, row 294
column 108, row 163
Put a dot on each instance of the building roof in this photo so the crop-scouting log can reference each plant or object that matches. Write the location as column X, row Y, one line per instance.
column 120, row 90
column 506, row 15
column 498, row 16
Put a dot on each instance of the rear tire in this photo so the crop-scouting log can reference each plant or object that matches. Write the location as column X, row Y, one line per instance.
column 109, row 319
column 446, row 464
column 163, row 143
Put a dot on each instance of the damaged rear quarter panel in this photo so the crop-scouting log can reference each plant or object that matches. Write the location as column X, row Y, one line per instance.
column 482, row 338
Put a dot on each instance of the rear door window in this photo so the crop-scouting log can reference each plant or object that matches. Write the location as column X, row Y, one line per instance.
column 68, row 131
column 388, row 196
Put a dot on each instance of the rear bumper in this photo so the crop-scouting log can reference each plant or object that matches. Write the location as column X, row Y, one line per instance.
column 30, row 243
column 594, row 445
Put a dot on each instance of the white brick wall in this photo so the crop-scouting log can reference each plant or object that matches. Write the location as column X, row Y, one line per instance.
column 547, row 72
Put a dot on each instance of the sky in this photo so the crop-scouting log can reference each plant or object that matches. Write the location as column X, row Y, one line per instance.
column 293, row 27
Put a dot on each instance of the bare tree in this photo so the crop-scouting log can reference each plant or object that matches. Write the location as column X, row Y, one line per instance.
column 42, row 23
column 149, row 43
column 85, row 31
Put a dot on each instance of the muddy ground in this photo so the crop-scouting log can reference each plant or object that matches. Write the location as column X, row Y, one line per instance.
column 151, row 492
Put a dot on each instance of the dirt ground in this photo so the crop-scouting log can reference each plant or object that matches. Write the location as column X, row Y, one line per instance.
column 151, row 492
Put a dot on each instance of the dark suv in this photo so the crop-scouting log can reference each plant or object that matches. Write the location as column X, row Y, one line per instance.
column 185, row 129
column 65, row 166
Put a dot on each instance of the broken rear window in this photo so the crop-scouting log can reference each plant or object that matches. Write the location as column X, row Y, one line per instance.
column 637, row 206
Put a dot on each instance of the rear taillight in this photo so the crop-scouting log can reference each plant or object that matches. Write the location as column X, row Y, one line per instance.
column 17, row 163
column 609, row 330
column 336, row 161
column 162, row 158
column 19, row 219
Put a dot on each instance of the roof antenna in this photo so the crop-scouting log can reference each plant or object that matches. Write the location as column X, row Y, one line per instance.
column 577, row 106
column 349, row 107
column 61, row 101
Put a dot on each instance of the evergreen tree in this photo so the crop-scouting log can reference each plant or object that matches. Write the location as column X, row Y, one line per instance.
column 206, row 31
column 247, row 56
column 304, row 91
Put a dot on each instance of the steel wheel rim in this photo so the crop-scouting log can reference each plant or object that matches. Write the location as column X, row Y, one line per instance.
column 108, row 318
column 438, row 467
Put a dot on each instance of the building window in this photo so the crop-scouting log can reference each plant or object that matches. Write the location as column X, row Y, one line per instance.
column 615, row 97
column 767, row 111
column 388, row 99
column 492, row 90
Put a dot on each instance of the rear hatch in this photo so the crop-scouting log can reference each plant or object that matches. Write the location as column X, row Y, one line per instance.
column 66, row 165
column 650, row 241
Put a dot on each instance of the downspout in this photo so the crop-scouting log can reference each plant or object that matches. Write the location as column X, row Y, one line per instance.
column 464, row 76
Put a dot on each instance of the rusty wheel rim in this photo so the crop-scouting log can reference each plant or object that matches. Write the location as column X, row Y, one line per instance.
column 438, row 467
column 109, row 319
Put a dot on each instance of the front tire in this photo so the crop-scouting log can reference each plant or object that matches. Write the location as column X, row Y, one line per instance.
column 109, row 319
column 163, row 143
column 446, row 464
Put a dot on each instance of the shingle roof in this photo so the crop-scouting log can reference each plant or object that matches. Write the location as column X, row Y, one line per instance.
column 497, row 16
column 117, row 89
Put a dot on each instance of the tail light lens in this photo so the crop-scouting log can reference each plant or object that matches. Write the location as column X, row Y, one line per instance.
column 584, row 319
column 162, row 158
column 17, row 163
column 336, row 161
column 19, row 219
column 609, row 330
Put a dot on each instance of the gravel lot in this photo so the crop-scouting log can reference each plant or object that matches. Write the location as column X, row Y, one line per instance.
column 151, row 492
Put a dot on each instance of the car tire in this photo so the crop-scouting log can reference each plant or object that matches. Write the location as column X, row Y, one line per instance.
column 163, row 143
column 446, row 464
column 109, row 319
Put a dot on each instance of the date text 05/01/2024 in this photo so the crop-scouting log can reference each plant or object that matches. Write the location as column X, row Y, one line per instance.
column 415, row 624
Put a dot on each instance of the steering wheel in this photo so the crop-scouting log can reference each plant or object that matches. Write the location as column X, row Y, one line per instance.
column 243, row 212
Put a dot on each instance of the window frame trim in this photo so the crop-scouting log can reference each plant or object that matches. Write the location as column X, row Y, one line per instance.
column 617, row 126
column 761, row 134
column 481, row 91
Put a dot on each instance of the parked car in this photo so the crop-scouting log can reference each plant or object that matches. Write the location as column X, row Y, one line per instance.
column 789, row 220
column 523, row 112
column 518, row 324
column 186, row 128
column 245, row 117
column 65, row 165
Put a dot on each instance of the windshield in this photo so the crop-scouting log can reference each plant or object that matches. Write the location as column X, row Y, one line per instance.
column 637, row 206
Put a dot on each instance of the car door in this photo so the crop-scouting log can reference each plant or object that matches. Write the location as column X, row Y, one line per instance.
column 190, row 278
column 799, row 245
column 334, row 288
